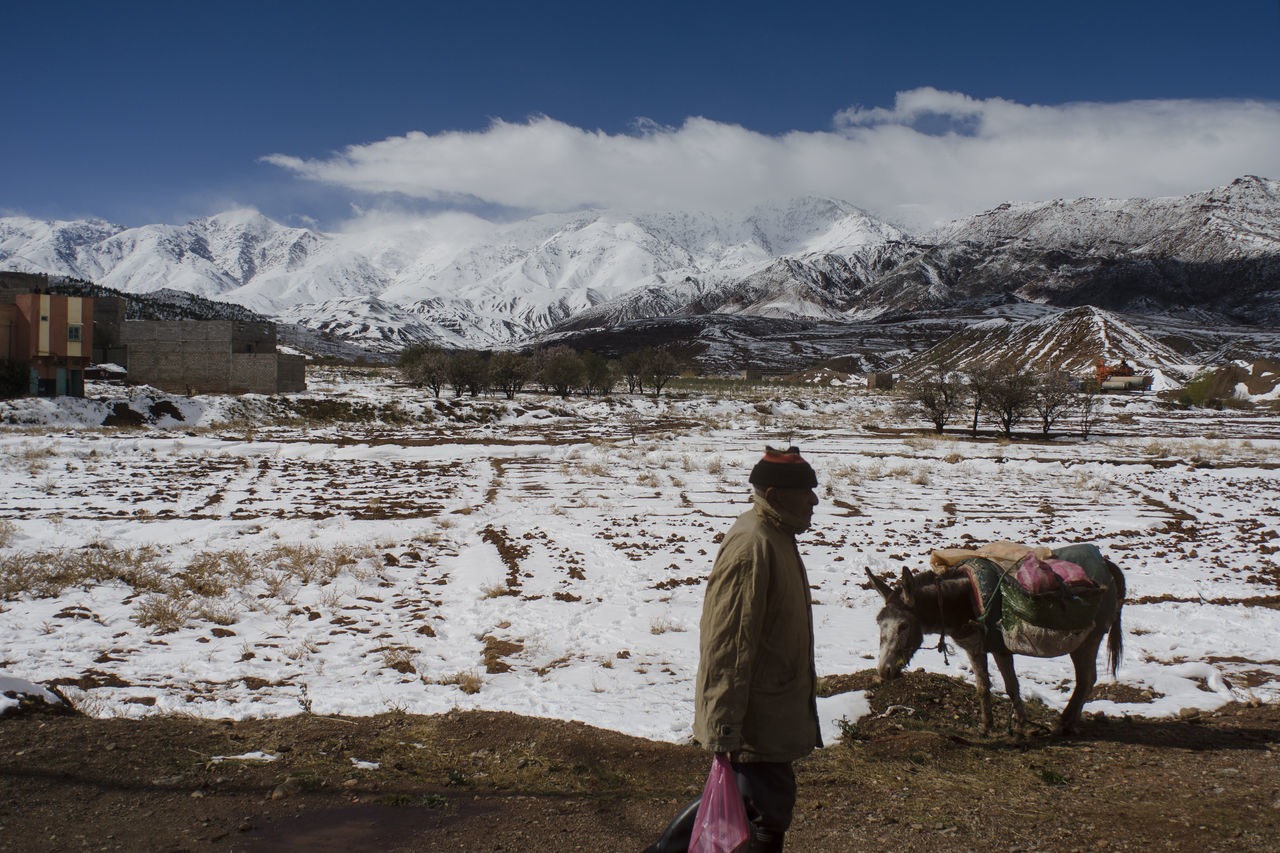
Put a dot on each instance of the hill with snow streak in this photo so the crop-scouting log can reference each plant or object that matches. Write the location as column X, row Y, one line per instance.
column 1068, row 340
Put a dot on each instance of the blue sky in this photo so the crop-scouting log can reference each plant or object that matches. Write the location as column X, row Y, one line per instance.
column 144, row 112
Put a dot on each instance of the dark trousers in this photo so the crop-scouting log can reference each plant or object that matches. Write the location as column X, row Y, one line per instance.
column 769, row 793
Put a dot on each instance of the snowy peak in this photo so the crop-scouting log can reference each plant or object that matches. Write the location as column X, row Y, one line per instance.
column 456, row 278
column 1235, row 220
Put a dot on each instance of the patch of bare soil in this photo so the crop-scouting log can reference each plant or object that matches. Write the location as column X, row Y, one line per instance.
column 913, row 776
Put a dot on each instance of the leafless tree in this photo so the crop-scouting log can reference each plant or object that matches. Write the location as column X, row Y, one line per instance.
column 540, row 358
column 599, row 375
column 1089, row 403
column 978, row 381
column 468, row 372
column 508, row 373
column 426, row 365
column 938, row 394
column 633, row 366
column 1051, row 398
column 563, row 373
column 660, row 370
column 1008, row 396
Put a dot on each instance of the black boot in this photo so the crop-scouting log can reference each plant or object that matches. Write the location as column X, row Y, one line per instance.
column 675, row 838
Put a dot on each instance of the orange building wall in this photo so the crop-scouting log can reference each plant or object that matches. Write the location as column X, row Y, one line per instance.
column 8, row 326
column 41, row 330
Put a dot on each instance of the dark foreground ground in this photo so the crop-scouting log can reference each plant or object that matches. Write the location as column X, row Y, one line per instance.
column 473, row 781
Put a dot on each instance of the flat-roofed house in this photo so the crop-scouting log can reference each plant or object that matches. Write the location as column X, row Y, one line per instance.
column 54, row 335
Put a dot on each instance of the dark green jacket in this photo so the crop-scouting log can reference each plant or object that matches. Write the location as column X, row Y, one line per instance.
column 756, row 687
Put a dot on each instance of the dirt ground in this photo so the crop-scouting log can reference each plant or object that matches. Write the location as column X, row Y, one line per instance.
column 915, row 777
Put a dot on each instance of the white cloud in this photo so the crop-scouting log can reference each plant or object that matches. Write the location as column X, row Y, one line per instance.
column 932, row 156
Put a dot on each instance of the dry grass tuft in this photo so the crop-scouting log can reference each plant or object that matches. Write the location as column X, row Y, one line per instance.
column 398, row 658
column 217, row 612
column 664, row 625
column 163, row 613
column 468, row 682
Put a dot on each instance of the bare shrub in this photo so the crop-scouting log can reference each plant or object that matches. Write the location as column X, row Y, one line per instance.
column 304, row 649
column 163, row 613
column 217, row 612
column 204, row 575
column 664, row 625
column 42, row 575
column 400, row 659
column 496, row 590
column 275, row 583
column 300, row 561
column 468, row 682
column 8, row 530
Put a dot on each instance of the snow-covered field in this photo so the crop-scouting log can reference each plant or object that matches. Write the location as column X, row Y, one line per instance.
column 547, row 557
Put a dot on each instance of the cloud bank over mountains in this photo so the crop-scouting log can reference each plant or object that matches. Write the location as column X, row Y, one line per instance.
column 931, row 157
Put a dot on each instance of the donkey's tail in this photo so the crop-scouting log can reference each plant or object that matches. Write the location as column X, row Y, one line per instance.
column 1115, row 637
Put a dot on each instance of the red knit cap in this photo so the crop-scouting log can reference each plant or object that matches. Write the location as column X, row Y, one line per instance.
column 783, row 469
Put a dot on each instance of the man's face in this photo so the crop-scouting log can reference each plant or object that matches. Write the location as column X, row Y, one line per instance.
column 796, row 502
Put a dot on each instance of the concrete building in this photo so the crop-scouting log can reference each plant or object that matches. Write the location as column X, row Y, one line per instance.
column 51, row 333
column 60, row 336
column 209, row 356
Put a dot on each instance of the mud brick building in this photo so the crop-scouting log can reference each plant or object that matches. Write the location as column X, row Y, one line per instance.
column 209, row 357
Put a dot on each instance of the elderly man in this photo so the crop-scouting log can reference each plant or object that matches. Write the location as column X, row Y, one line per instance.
column 756, row 687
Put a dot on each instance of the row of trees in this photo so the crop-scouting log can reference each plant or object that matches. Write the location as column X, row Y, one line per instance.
column 1006, row 395
column 558, row 369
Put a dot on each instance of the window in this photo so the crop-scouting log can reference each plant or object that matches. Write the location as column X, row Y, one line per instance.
column 73, row 333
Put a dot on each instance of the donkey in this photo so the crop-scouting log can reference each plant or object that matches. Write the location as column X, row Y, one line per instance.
column 931, row 604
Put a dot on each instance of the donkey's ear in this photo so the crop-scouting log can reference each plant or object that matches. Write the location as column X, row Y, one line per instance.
column 908, row 588
column 881, row 586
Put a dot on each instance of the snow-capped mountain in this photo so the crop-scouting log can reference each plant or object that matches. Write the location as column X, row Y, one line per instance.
column 459, row 280
column 1216, row 253
column 454, row 278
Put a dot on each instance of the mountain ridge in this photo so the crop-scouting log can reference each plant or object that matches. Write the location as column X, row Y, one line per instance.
column 461, row 281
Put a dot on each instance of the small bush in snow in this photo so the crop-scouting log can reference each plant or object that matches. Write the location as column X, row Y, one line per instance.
column 162, row 613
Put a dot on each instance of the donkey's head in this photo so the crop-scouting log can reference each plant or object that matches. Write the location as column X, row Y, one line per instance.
column 900, row 630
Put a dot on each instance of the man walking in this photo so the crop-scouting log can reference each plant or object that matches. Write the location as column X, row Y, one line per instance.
column 756, row 686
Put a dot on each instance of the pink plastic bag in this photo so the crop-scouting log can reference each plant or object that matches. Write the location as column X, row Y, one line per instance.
column 1072, row 574
column 721, row 824
column 1036, row 576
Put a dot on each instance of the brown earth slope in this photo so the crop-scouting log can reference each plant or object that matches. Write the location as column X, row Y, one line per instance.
column 914, row 778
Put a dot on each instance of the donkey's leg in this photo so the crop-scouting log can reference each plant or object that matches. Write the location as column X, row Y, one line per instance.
column 1004, row 662
column 981, row 676
column 1085, row 660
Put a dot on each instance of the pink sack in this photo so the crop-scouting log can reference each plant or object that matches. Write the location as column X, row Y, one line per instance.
column 1035, row 576
column 721, row 823
column 1072, row 574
